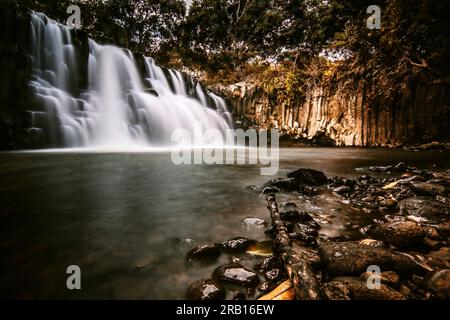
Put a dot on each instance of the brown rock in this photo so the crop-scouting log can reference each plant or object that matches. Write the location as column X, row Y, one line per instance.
column 402, row 234
column 348, row 258
column 358, row 290
column 389, row 278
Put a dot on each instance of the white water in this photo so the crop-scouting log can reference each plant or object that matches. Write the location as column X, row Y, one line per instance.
column 117, row 109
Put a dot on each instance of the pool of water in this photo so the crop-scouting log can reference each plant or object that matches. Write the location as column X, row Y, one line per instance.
column 119, row 216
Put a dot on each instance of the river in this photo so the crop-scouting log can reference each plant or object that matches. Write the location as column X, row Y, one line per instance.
column 119, row 216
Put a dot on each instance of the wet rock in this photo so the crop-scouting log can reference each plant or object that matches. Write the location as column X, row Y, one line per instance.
column 269, row 190
column 402, row 234
column 266, row 286
column 308, row 177
column 283, row 184
column 268, row 263
column 274, row 275
column 253, row 221
column 206, row 290
column 439, row 284
column 239, row 244
column 424, row 207
column 348, row 258
column 205, row 252
column 236, row 274
column 342, row 190
column 306, row 229
column 356, row 289
column 427, row 189
column 389, row 278
column 306, row 239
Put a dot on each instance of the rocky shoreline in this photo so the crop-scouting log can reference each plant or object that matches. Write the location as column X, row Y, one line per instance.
column 407, row 239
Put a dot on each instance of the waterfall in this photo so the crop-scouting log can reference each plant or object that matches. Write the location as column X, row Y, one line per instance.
column 119, row 108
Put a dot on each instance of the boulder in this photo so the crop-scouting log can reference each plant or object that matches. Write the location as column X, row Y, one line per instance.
column 206, row 290
column 308, row 177
column 356, row 289
column 236, row 274
column 402, row 234
column 349, row 258
column 204, row 252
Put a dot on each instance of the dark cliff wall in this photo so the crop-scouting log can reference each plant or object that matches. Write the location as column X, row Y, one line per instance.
column 15, row 68
column 420, row 113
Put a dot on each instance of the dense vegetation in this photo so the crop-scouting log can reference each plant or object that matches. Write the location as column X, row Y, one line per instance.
column 284, row 44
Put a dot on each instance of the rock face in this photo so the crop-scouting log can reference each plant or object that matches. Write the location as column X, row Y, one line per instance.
column 402, row 234
column 350, row 118
column 236, row 274
column 344, row 288
column 15, row 70
column 348, row 258
column 206, row 290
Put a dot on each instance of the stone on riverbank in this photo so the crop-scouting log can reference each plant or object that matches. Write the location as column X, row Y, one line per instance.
column 236, row 274
column 308, row 177
column 348, row 258
column 238, row 244
column 402, row 234
column 345, row 288
column 206, row 290
column 207, row 252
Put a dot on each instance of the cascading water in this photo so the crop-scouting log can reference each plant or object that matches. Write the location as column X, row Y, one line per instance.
column 116, row 109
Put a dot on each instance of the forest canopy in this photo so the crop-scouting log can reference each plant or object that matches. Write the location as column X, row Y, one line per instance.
column 228, row 39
